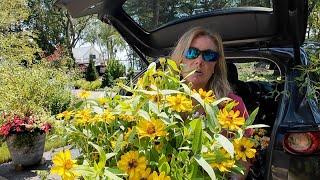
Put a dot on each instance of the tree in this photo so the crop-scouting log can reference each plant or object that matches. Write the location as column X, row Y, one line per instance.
column 313, row 31
column 55, row 26
column 91, row 72
column 16, row 40
column 105, row 36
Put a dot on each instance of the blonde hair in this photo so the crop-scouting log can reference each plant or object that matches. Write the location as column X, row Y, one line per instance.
column 218, row 81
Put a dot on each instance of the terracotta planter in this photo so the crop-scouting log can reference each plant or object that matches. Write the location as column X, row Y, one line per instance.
column 26, row 149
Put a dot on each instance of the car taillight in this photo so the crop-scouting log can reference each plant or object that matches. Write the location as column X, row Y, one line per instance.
column 302, row 142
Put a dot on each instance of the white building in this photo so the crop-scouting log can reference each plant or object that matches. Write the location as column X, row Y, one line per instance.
column 82, row 55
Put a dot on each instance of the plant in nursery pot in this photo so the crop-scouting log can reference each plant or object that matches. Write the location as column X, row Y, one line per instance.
column 25, row 137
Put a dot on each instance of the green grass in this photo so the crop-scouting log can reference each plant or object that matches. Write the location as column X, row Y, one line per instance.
column 50, row 144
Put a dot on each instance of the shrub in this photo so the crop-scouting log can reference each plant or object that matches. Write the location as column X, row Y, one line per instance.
column 107, row 79
column 87, row 85
column 37, row 89
column 115, row 68
column 91, row 72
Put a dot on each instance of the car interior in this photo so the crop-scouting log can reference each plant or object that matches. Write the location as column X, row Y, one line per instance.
column 259, row 86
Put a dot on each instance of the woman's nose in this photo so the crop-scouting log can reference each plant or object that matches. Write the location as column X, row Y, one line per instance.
column 199, row 60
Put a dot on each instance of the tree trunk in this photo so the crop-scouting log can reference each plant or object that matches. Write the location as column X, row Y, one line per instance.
column 156, row 11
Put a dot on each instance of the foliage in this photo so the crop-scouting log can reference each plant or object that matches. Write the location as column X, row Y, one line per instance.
column 33, row 90
column 313, row 31
column 310, row 77
column 16, row 41
column 87, row 85
column 115, row 68
column 107, row 80
column 130, row 73
column 55, row 26
column 159, row 131
column 105, row 36
column 22, row 125
column 91, row 72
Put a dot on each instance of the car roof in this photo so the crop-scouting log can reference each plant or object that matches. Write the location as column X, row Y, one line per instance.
column 242, row 28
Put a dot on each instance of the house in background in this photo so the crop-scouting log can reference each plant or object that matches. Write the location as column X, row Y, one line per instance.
column 82, row 56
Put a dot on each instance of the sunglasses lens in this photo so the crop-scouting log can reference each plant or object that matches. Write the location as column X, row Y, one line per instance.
column 192, row 53
column 210, row 55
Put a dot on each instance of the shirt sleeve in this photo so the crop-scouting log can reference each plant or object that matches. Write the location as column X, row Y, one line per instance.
column 241, row 106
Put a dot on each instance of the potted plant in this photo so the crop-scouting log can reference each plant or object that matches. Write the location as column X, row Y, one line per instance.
column 29, row 96
column 25, row 137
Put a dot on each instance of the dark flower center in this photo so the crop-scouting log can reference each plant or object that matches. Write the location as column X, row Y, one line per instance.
column 151, row 129
column 132, row 164
column 242, row 148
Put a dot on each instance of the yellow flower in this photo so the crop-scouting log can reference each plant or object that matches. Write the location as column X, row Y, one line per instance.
column 65, row 114
column 152, row 129
column 230, row 120
column 84, row 94
column 180, row 103
column 208, row 97
column 132, row 164
column 83, row 116
column 161, row 176
column 221, row 160
column 108, row 116
column 145, row 174
column 127, row 117
column 63, row 165
column 102, row 101
column 243, row 148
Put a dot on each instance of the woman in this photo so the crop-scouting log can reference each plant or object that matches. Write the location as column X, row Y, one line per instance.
column 200, row 50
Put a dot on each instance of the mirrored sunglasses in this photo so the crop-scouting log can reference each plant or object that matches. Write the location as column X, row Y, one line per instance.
column 207, row 55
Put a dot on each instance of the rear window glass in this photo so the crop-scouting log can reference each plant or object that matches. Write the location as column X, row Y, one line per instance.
column 151, row 14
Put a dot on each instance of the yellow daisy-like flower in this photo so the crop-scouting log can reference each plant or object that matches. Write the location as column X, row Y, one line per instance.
column 83, row 116
column 221, row 160
column 244, row 148
column 63, row 165
column 145, row 174
column 102, row 101
column 152, row 129
column 108, row 116
column 132, row 164
column 180, row 103
column 84, row 94
column 230, row 120
column 65, row 114
column 161, row 176
column 208, row 97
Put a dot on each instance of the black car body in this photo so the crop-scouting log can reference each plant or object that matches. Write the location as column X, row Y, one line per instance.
column 250, row 34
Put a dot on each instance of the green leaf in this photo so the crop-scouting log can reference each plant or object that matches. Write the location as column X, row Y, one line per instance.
column 252, row 117
column 154, row 107
column 226, row 144
column 168, row 92
column 85, row 170
column 165, row 167
column 102, row 156
column 257, row 126
column 206, row 166
column 173, row 65
column 197, row 136
column 110, row 175
column 144, row 114
column 215, row 103
column 118, row 143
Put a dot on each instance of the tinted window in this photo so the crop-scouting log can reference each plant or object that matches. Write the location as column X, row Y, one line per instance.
column 151, row 14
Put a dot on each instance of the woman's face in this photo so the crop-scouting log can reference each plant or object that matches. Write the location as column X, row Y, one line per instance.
column 204, row 69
